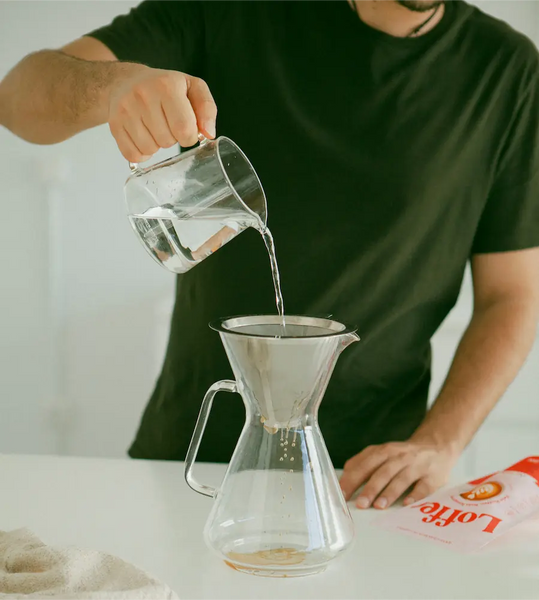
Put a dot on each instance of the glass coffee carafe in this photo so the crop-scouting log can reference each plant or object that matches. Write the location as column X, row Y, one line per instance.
column 185, row 208
column 279, row 511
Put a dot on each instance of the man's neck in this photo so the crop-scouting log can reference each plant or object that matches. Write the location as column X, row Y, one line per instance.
column 394, row 19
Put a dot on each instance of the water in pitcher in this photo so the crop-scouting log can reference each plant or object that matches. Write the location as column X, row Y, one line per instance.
column 179, row 241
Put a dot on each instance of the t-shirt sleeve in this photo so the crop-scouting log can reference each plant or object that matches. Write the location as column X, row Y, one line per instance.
column 510, row 219
column 160, row 34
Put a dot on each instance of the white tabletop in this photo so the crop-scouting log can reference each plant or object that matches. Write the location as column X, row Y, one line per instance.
column 144, row 512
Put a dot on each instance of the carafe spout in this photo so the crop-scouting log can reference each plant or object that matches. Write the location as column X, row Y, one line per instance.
column 348, row 339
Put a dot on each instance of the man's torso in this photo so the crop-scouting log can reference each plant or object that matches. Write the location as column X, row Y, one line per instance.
column 376, row 155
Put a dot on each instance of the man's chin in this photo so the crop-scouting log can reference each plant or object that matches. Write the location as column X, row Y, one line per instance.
column 420, row 5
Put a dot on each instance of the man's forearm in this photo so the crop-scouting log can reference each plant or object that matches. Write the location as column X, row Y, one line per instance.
column 489, row 356
column 50, row 96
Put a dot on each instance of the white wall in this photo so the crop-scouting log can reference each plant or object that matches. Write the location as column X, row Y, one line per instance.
column 94, row 298
column 84, row 312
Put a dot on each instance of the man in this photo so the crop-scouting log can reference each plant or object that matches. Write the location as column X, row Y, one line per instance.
column 396, row 140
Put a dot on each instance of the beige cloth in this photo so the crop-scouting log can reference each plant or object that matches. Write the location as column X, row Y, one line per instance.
column 30, row 569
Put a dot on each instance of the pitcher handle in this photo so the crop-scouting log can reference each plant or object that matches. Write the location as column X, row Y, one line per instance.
column 225, row 385
column 201, row 140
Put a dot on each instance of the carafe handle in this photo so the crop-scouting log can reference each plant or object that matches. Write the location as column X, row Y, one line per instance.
column 225, row 385
column 201, row 140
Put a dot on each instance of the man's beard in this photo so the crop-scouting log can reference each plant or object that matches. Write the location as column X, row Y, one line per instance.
column 420, row 5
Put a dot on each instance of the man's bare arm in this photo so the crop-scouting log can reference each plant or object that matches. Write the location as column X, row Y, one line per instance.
column 489, row 356
column 53, row 94
column 493, row 348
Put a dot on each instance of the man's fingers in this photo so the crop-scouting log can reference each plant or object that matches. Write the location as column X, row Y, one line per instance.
column 389, row 470
column 423, row 488
column 203, row 105
column 128, row 148
column 359, row 468
column 181, row 119
column 377, row 482
column 141, row 137
column 161, row 108
column 396, row 487
column 156, row 122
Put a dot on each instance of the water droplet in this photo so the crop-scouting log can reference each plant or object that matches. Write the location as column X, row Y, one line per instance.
column 285, row 455
column 293, row 444
column 292, row 458
column 281, row 459
column 291, row 470
column 282, row 445
column 286, row 442
column 290, row 488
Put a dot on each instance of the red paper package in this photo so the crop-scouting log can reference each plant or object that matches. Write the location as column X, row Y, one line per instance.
column 471, row 515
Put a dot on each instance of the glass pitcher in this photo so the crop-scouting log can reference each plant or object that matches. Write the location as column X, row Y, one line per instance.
column 183, row 209
column 279, row 511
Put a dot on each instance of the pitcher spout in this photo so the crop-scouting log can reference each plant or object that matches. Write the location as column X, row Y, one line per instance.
column 349, row 338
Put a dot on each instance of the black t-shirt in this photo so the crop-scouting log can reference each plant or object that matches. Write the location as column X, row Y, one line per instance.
column 387, row 162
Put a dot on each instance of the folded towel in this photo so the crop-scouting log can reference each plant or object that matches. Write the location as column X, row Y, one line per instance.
column 30, row 569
